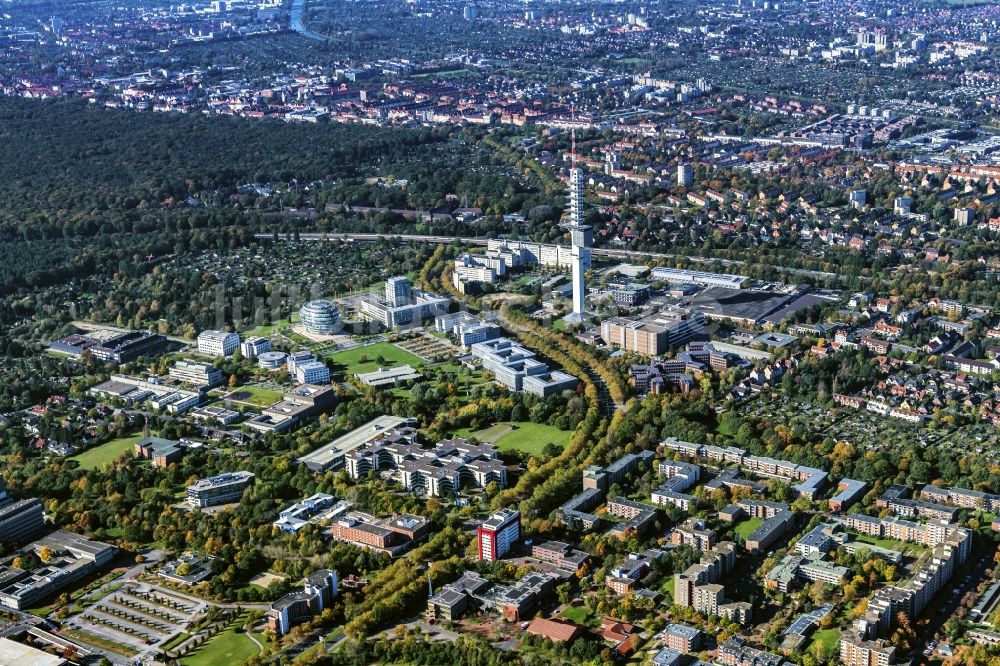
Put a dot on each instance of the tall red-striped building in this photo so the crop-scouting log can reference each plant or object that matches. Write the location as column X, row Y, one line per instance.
column 498, row 533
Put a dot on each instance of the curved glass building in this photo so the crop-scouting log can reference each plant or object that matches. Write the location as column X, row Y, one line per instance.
column 321, row 317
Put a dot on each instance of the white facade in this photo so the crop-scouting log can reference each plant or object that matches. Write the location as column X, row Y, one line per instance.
column 254, row 347
column 312, row 372
column 218, row 343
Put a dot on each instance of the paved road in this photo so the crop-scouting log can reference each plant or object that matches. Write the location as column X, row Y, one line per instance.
column 597, row 251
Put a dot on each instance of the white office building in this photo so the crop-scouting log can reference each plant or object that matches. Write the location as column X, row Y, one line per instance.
column 517, row 368
column 218, row 343
column 222, row 489
column 295, row 359
column 402, row 305
column 397, row 291
column 254, row 347
column 312, row 372
column 196, row 374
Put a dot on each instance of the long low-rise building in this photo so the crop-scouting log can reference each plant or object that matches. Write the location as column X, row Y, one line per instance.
column 133, row 391
column 72, row 557
column 19, row 519
column 516, row 367
column 222, row 489
column 806, row 481
column 315, row 508
column 700, row 278
column 112, row 346
column 778, row 520
column 383, row 535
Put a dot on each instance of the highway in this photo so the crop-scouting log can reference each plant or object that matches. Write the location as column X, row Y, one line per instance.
column 597, row 251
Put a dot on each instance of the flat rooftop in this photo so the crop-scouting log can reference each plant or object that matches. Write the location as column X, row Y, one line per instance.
column 325, row 455
column 13, row 653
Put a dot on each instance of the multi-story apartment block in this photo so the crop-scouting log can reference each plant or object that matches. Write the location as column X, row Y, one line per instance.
column 857, row 652
column 692, row 532
column 681, row 637
column 498, row 534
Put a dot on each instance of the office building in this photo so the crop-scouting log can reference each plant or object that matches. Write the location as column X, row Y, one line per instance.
column 196, row 374
column 312, row 372
column 294, row 359
column 73, row 557
column 112, row 346
column 222, row 489
column 516, row 368
column 254, row 347
column 498, row 533
column 397, row 291
column 218, row 343
column 388, row 428
column 515, row 253
column 654, row 335
column 19, row 519
column 402, row 305
column 320, row 317
column 272, row 360
column 467, row 329
column 453, row 464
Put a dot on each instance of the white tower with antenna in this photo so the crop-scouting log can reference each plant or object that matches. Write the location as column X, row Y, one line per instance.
column 581, row 237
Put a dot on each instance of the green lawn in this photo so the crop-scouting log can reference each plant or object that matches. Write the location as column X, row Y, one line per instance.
column 267, row 330
column 365, row 359
column 891, row 544
column 747, row 527
column 525, row 436
column 107, row 452
column 226, row 647
column 580, row 615
column 829, row 638
column 255, row 395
